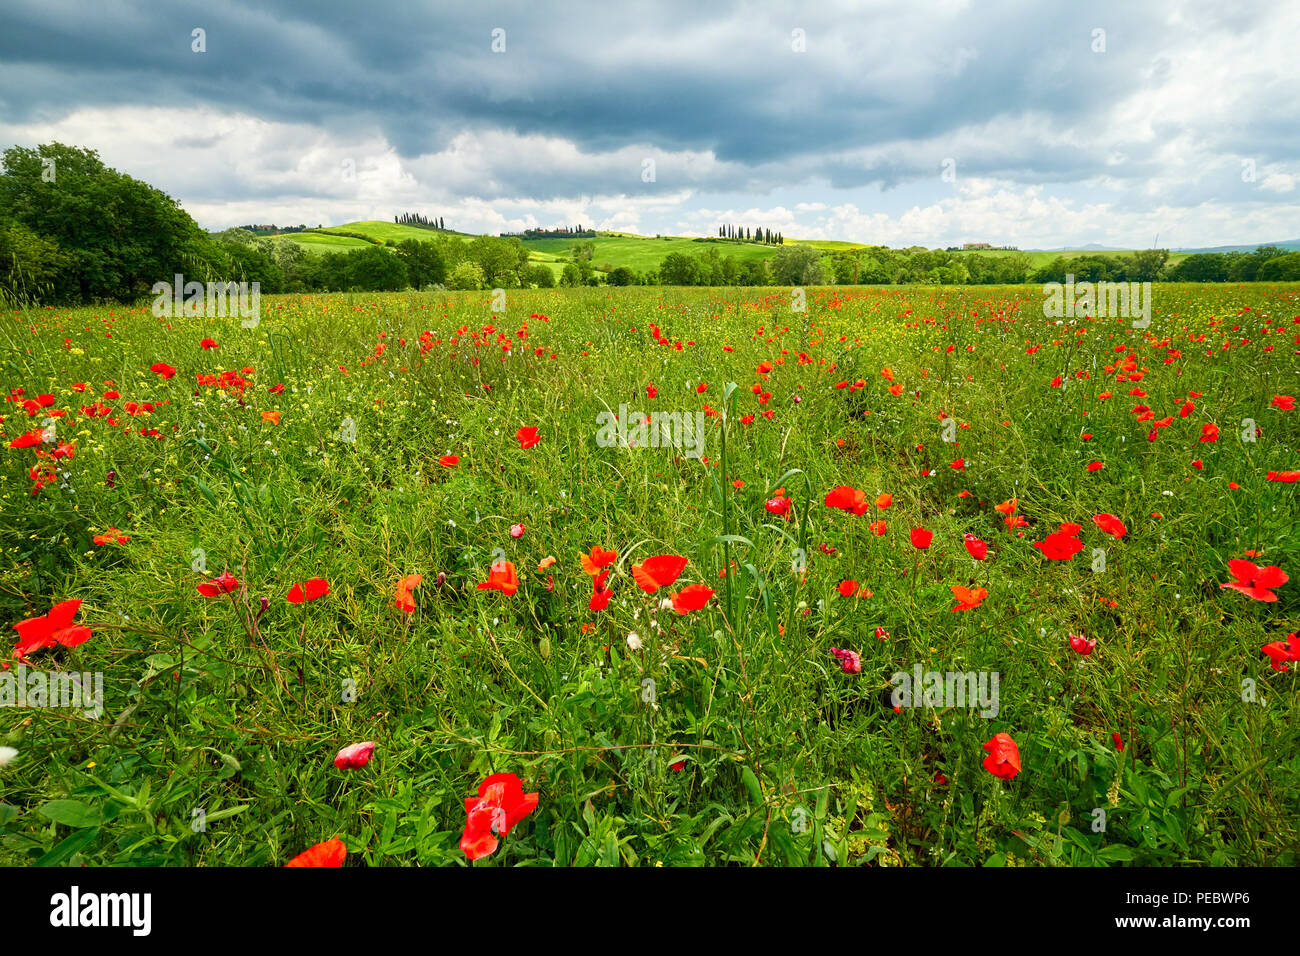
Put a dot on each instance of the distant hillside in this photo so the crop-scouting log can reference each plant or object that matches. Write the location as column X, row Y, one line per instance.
column 1291, row 245
column 613, row 249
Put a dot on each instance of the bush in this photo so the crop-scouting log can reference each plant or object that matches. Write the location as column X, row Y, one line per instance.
column 466, row 276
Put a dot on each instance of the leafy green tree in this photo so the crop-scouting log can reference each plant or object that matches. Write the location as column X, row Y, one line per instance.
column 679, row 269
column 375, row 269
column 118, row 236
column 1281, row 269
column 424, row 263
column 540, row 275
column 1147, row 264
column 621, row 275
column 468, row 275
column 29, row 265
column 797, row 265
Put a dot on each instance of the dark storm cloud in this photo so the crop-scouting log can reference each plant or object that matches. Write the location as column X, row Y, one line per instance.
column 672, row 76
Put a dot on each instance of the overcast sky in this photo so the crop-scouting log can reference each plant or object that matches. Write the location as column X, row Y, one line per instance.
column 930, row 123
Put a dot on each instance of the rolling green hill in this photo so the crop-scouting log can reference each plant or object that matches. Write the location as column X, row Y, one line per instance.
column 615, row 249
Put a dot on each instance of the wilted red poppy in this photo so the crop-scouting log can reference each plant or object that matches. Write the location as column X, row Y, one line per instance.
column 977, row 548
column 500, row 805
column 223, row 583
column 1110, row 524
column 1254, row 581
column 330, row 853
column 313, row 589
column 355, row 755
column 53, row 628
column 691, row 598
column 657, row 572
column 527, row 437
column 1003, row 760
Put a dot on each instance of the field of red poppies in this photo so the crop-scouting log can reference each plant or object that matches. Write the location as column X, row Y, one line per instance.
column 912, row 576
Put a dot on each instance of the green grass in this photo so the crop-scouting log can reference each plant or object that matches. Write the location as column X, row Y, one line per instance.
column 784, row 758
column 645, row 252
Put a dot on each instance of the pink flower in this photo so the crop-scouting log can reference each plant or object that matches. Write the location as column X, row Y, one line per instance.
column 516, row 531
column 850, row 662
column 355, row 755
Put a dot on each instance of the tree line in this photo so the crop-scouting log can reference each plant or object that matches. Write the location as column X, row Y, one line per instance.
column 73, row 230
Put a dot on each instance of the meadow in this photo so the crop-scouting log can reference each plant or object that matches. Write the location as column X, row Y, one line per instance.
column 387, row 520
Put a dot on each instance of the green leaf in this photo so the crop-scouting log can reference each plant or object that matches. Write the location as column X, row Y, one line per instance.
column 71, row 813
column 66, row 849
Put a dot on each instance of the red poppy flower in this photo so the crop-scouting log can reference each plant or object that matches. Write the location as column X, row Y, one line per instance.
column 977, row 548
column 1095, row 466
column 160, row 368
column 402, row 598
column 657, row 572
column 28, row 440
column 501, row 578
column 1209, row 432
column 56, row 627
column 313, row 589
column 921, row 538
column 1059, row 546
column 1280, row 652
column 691, row 598
column 208, row 344
column 330, row 853
column 1003, row 760
column 847, row 588
column 844, row 498
column 1082, row 645
column 967, row 598
column 778, row 506
column 224, row 583
column 500, row 805
column 599, row 558
column 449, row 461
column 1118, row 740
column 600, row 594
column 1254, row 581
column 1110, row 524
column 527, row 437
column 1285, row 402
column 884, row 500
